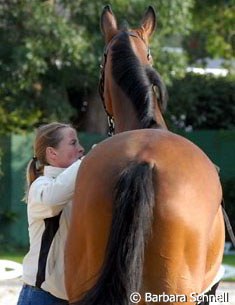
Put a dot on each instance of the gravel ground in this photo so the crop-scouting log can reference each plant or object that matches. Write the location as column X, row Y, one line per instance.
column 9, row 291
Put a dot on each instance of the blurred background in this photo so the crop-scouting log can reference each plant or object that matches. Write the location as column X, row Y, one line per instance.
column 50, row 55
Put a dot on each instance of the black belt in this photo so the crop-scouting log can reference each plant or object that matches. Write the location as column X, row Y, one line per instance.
column 30, row 286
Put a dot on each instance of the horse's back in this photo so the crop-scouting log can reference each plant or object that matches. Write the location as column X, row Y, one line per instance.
column 187, row 231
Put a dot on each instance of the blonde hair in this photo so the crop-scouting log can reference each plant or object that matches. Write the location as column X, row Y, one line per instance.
column 48, row 135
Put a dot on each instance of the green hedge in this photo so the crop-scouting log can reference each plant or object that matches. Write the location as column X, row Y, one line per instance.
column 202, row 102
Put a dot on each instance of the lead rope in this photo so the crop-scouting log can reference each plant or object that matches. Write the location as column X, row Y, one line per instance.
column 228, row 224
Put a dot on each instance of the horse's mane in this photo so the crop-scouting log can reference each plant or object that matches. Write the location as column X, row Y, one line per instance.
column 136, row 80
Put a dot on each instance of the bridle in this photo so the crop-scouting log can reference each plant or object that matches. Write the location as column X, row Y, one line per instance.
column 102, row 77
column 101, row 92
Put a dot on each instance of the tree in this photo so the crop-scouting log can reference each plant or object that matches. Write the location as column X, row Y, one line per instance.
column 51, row 50
column 202, row 102
column 213, row 30
column 40, row 55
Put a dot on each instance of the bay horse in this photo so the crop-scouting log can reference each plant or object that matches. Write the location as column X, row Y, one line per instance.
column 146, row 217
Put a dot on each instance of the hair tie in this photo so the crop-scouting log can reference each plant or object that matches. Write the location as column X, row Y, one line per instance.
column 38, row 164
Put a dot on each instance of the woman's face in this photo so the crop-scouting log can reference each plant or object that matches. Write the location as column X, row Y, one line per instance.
column 69, row 149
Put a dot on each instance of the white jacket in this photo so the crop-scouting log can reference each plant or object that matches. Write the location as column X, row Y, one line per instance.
column 49, row 207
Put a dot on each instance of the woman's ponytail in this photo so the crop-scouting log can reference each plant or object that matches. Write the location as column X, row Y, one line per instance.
column 34, row 170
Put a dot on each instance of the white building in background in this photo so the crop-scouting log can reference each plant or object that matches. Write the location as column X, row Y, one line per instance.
column 212, row 66
column 206, row 65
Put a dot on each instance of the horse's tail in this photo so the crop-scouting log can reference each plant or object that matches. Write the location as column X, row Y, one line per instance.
column 121, row 273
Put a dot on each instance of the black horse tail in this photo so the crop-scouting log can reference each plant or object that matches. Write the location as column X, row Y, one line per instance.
column 122, row 269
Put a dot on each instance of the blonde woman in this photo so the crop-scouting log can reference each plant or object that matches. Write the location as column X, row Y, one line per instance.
column 51, row 178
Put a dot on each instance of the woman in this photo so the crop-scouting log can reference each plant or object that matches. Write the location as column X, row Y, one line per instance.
column 51, row 178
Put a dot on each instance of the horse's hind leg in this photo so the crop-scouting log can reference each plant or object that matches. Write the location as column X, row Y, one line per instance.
column 212, row 292
column 175, row 260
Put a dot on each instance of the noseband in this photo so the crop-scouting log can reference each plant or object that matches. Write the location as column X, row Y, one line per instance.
column 102, row 78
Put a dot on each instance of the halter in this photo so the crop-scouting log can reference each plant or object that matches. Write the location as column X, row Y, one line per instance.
column 102, row 78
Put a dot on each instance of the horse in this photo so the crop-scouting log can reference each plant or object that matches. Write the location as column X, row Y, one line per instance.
column 146, row 221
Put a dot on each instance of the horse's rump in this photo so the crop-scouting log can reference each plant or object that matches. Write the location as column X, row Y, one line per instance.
column 186, row 232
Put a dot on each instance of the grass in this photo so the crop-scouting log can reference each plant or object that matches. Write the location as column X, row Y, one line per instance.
column 13, row 255
column 229, row 260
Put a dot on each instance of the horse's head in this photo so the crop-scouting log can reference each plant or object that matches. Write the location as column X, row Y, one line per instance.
column 132, row 91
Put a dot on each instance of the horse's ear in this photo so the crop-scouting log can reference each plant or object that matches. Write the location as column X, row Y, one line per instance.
column 108, row 23
column 148, row 23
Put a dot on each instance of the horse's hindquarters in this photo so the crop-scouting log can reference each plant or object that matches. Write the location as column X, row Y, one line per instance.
column 182, row 258
column 186, row 244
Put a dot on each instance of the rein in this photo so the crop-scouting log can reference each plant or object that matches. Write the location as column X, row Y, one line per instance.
column 102, row 78
column 228, row 224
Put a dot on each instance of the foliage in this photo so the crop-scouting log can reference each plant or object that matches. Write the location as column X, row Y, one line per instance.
column 229, row 260
column 169, row 13
column 12, row 253
column 51, row 50
column 202, row 102
column 213, row 32
column 50, row 53
column 39, row 56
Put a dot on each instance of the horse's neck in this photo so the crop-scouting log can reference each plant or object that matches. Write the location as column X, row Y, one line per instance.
column 121, row 126
column 125, row 116
column 129, row 121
